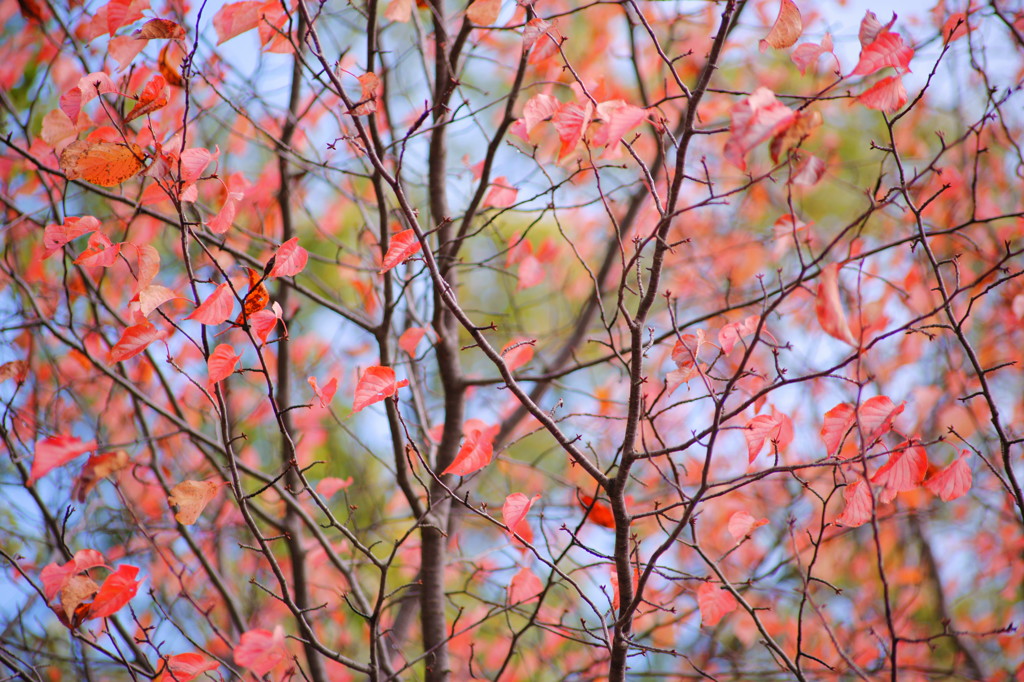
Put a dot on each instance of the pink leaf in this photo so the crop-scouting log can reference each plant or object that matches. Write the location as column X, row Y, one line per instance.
column 858, row 505
column 399, row 10
column 217, row 307
column 403, row 245
column 193, row 162
column 743, row 523
column 222, row 362
column 871, row 27
column 809, row 172
column 517, row 353
column 837, row 423
column 289, row 260
column 828, row 306
column 888, row 49
column 571, row 121
column 325, row 394
column 531, row 272
column 152, row 297
column 524, row 587
column 886, row 95
column 410, row 339
column 618, row 118
column 262, row 322
column 133, row 341
column 786, row 30
column 904, row 471
column 515, row 509
column 261, row 650
column 100, row 252
column 236, row 18
column 56, row 451
column 953, row 481
column 876, row 416
column 776, row 427
column 542, row 38
column 117, row 590
column 331, row 484
column 955, row 27
column 806, row 54
column 714, row 602
column 501, row 194
column 221, row 222
column 376, row 384
column 57, row 128
column 538, row 108
column 753, row 120
column 477, row 449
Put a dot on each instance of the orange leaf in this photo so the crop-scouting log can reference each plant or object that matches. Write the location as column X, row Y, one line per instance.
column 256, row 299
column 571, row 121
column 411, row 338
column 600, row 513
column 484, row 12
column 786, row 30
column 477, row 449
column 159, row 29
column 403, row 245
column 102, row 163
column 216, row 308
column 376, row 384
column 53, row 576
column 191, row 497
column 99, row 253
column 97, row 468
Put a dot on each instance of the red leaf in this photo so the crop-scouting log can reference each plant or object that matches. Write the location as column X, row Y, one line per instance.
column 56, row 236
column 261, row 650
column 877, row 415
column 411, row 338
column 500, row 195
column 828, row 306
column 776, row 427
column 517, row 353
column 53, row 576
column 116, row 591
column 56, row 451
column 887, row 49
column 477, row 448
column 904, row 471
column 376, row 384
column 886, row 95
column 858, row 505
column 871, row 27
column 742, row 524
column 100, row 252
column 837, row 423
column 403, row 245
column 806, row 54
column 753, row 120
column 714, row 602
column 262, row 322
column 953, row 481
column 524, row 587
column 955, row 27
column 217, row 307
column 236, row 18
column 515, row 509
column 289, row 260
column 221, row 363
column 133, row 341
column 186, row 667
column 571, row 121
column 326, row 394
column 786, row 30
column 600, row 513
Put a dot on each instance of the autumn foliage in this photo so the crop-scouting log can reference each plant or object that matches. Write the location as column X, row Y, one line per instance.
column 530, row 340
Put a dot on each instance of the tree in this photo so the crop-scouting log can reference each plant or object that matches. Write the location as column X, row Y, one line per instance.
column 547, row 340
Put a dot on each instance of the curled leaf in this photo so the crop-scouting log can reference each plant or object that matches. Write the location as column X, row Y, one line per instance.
column 786, row 30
